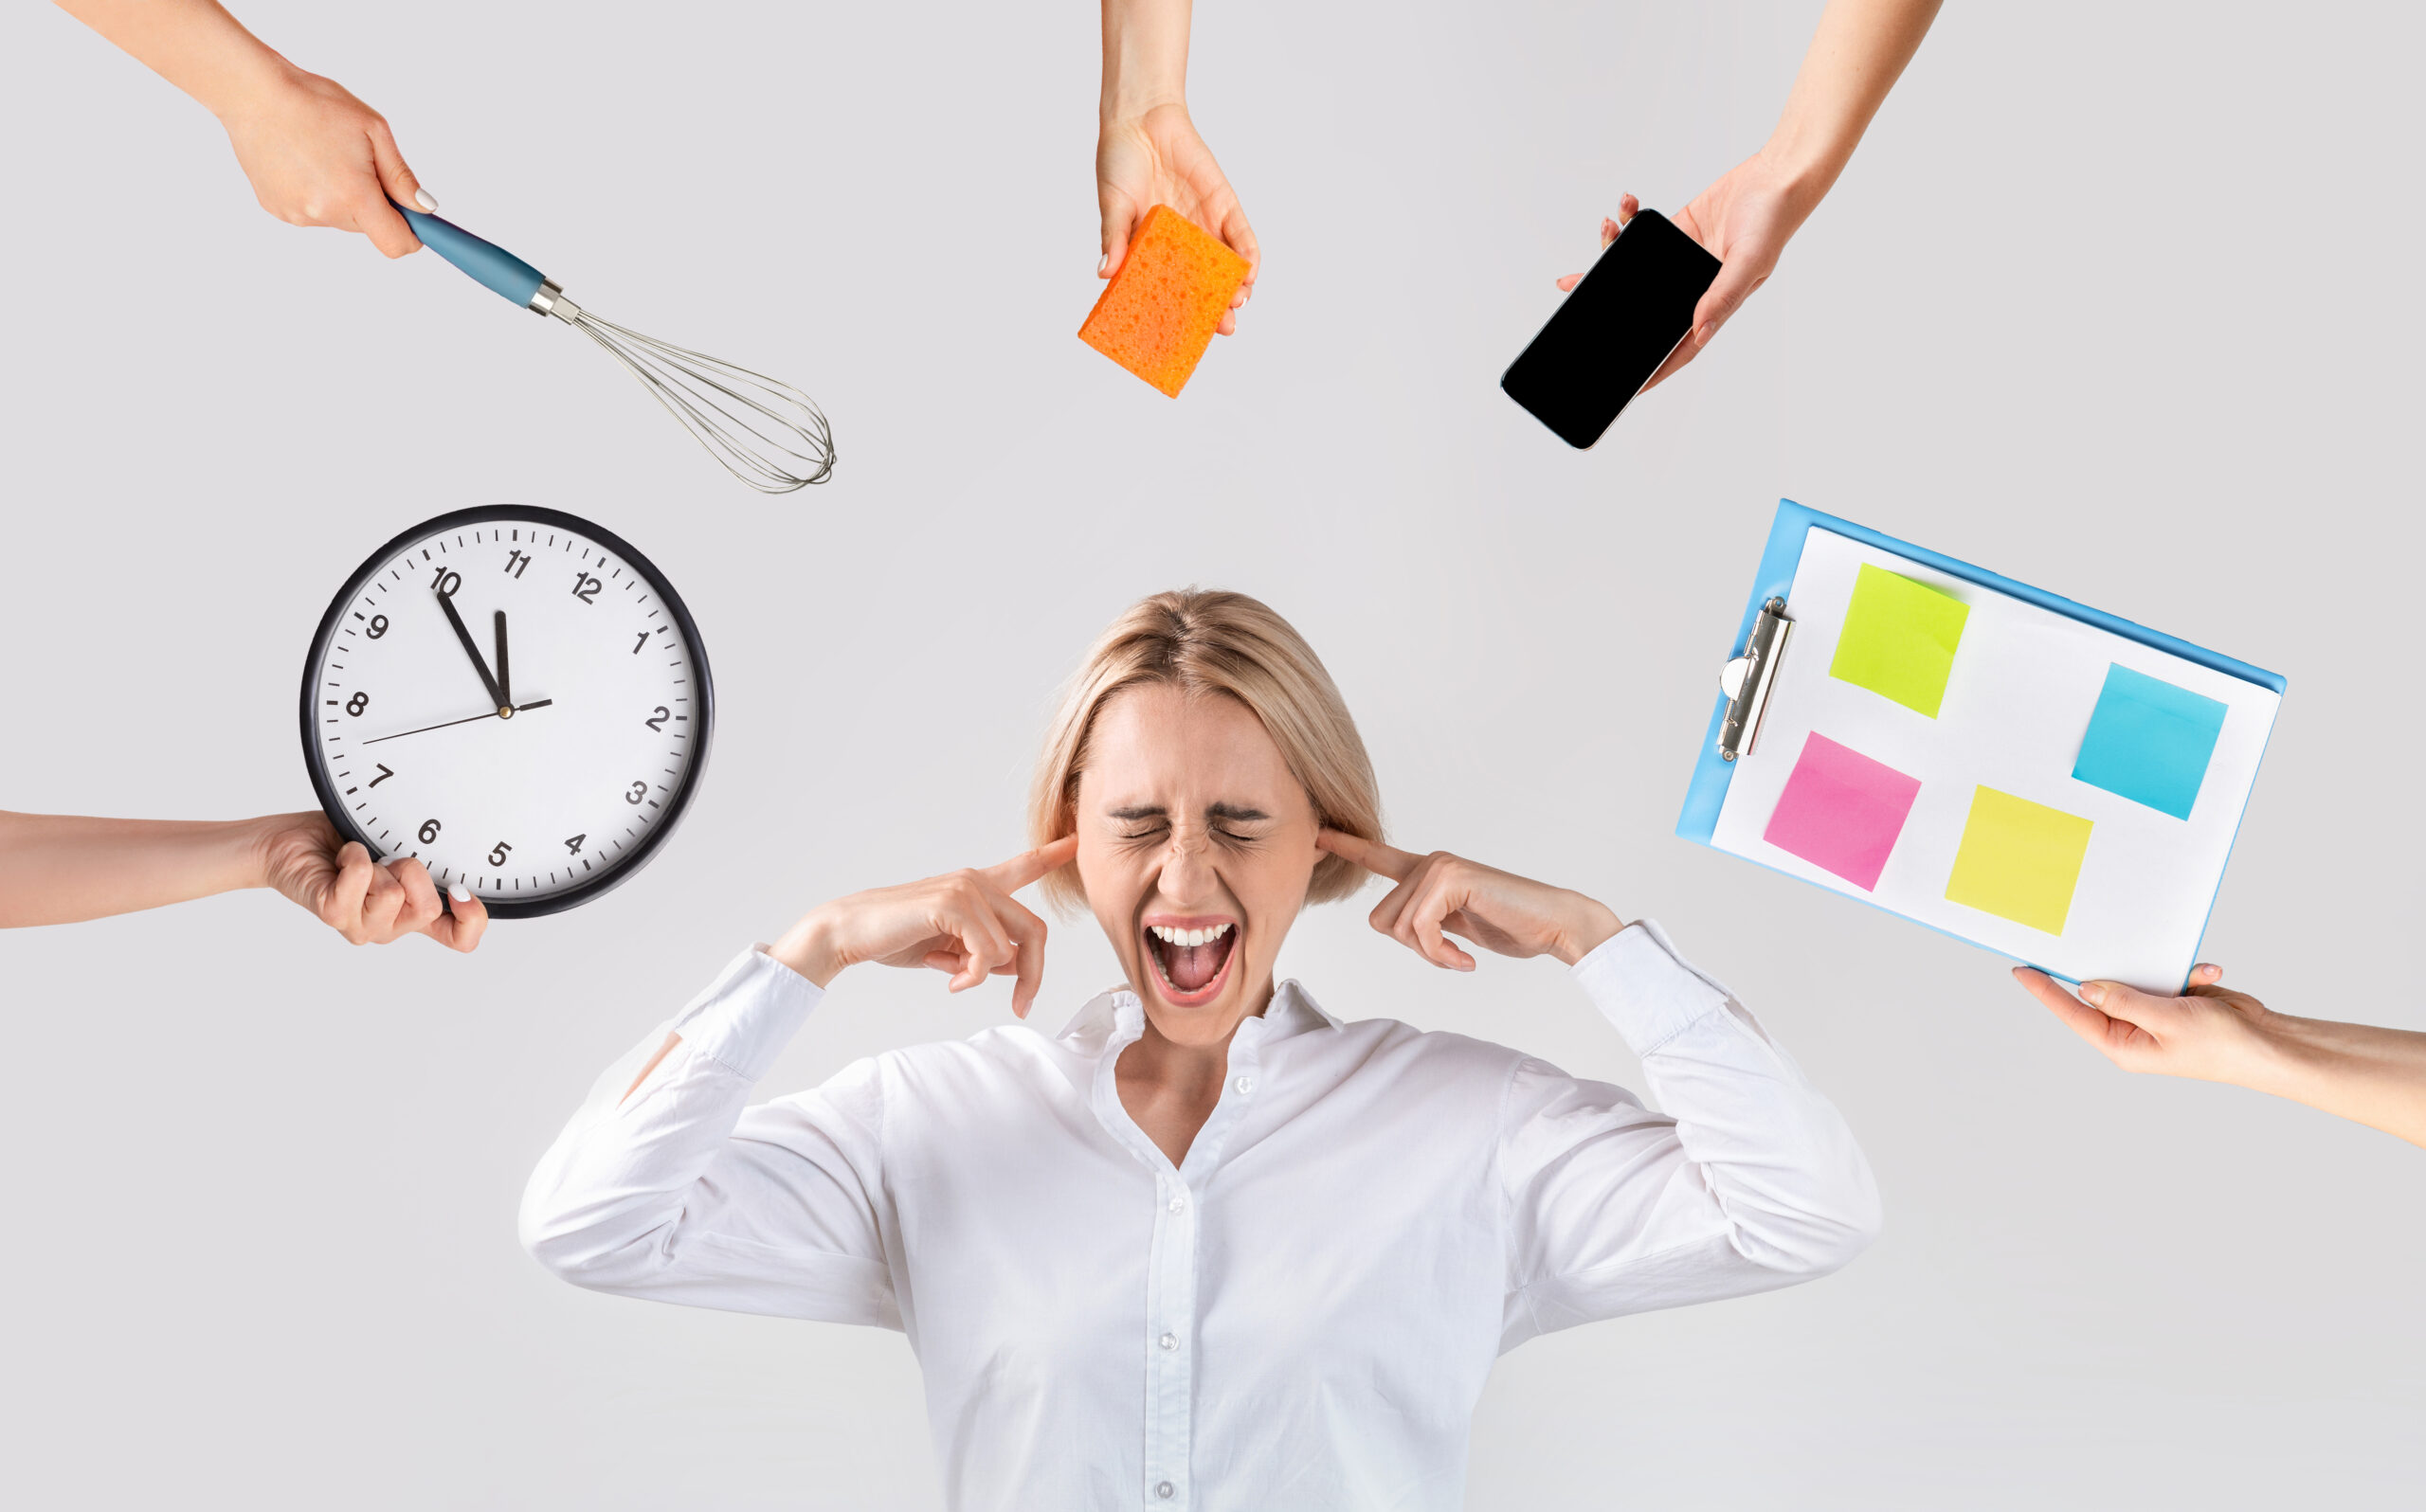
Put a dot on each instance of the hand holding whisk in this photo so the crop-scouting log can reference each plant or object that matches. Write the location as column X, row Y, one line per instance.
column 766, row 433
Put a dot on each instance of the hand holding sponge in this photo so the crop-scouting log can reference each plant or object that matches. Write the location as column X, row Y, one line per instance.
column 1159, row 311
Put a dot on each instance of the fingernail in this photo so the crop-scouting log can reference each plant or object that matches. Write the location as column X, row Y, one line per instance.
column 459, row 892
column 2092, row 992
column 1701, row 337
column 1103, row 264
column 421, row 197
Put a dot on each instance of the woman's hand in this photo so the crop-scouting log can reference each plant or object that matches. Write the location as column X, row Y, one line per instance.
column 359, row 899
column 2362, row 1072
column 1744, row 221
column 318, row 157
column 963, row 923
column 2208, row 1033
column 1508, row 914
column 1157, row 158
column 316, row 154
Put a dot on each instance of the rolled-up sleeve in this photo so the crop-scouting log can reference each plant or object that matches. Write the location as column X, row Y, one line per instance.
column 679, row 1191
column 1747, row 1180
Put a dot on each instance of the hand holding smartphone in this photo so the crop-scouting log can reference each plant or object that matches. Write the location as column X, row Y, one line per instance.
column 1613, row 330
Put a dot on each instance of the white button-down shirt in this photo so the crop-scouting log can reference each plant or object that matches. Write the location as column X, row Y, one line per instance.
column 1300, row 1314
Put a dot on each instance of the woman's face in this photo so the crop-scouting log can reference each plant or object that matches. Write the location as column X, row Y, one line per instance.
column 1195, row 847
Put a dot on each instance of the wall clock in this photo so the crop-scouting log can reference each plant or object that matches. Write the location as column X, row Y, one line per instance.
column 515, row 698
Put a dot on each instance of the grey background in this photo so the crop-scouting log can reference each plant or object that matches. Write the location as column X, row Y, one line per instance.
column 2116, row 300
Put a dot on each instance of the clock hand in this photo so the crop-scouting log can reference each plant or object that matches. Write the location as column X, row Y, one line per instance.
column 496, row 697
column 504, row 673
column 536, row 703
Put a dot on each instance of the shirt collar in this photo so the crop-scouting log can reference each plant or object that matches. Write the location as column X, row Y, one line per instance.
column 1116, row 1016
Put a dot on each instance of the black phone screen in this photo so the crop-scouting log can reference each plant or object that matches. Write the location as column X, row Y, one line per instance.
column 1613, row 330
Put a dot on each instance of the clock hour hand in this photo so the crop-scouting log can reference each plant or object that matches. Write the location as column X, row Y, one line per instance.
column 504, row 669
column 497, row 695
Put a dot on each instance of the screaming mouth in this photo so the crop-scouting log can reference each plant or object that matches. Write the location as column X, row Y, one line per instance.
column 1191, row 962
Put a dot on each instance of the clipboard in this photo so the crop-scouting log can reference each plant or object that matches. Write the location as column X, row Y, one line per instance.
column 2012, row 779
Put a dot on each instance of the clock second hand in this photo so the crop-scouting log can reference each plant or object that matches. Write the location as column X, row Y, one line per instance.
column 536, row 703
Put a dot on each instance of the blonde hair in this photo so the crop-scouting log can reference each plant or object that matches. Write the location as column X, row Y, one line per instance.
column 1207, row 641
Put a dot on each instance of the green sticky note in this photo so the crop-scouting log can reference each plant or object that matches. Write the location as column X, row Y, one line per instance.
column 1899, row 638
column 2019, row 861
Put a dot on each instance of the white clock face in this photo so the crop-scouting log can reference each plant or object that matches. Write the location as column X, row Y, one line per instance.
column 542, row 761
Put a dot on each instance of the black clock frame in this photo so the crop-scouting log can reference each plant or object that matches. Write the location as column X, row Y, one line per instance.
column 333, row 804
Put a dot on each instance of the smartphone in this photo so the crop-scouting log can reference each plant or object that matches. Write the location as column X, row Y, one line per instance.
column 1613, row 330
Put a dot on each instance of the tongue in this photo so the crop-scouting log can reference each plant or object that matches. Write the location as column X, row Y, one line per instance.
column 1191, row 966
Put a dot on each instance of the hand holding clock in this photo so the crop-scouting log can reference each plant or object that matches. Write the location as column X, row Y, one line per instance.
column 61, row 869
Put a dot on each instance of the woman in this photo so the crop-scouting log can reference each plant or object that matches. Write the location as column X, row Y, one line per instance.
column 1209, row 1246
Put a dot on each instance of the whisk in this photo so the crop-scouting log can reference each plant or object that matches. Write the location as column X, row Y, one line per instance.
column 766, row 433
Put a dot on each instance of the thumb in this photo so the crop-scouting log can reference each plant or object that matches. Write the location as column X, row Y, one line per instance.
column 1119, row 220
column 1727, row 293
column 2129, row 1004
column 397, row 179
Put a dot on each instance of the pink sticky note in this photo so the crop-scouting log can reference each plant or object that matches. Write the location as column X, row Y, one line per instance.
column 1841, row 811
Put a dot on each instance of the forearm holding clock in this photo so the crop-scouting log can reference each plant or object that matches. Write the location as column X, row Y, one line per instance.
column 60, row 869
column 64, row 869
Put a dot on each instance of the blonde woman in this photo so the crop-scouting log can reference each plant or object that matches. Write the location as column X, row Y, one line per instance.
column 1208, row 1245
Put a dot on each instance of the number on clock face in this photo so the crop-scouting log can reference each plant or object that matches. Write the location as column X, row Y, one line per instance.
column 518, row 739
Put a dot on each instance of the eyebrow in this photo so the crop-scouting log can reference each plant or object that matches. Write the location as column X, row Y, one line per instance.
column 1236, row 813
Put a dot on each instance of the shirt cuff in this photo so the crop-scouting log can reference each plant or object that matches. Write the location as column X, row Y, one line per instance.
column 749, row 1014
column 1640, row 985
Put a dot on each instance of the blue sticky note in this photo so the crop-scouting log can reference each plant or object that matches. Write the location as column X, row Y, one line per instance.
column 2149, row 740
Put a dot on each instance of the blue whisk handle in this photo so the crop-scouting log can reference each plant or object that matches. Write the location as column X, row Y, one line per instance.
column 489, row 265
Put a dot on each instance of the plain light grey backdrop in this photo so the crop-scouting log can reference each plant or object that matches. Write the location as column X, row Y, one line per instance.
column 2116, row 300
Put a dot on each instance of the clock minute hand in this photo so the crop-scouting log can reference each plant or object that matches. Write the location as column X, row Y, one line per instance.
column 496, row 697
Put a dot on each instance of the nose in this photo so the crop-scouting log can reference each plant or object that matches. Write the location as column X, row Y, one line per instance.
column 1188, row 875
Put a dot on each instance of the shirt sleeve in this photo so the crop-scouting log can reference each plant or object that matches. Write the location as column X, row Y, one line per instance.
column 681, row 1193
column 1748, row 1180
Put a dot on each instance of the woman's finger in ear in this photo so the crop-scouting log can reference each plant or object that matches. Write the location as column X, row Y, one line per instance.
column 1032, row 865
column 1382, row 860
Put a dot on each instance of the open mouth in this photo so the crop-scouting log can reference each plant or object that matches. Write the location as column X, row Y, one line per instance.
column 1192, row 957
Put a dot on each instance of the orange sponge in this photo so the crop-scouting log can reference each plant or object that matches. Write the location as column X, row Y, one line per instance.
column 1158, row 312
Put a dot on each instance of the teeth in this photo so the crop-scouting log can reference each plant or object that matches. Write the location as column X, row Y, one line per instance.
column 1188, row 938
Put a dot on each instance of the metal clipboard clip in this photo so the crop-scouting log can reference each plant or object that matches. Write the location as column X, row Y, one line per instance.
column 1747, row 681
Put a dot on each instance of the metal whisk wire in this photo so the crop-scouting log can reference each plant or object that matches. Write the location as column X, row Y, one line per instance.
column 766, row 433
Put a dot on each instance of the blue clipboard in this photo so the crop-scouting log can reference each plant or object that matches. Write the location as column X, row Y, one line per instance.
column 1783, row 557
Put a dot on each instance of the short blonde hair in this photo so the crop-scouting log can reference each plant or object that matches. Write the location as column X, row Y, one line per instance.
column 1206, row 641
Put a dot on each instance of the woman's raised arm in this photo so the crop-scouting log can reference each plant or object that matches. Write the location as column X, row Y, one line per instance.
column 1747, row 1181
column 667, row 1184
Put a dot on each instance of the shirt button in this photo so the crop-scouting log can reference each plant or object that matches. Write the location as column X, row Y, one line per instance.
column 1164, row 1490
column 1246, row 1085
column 1171, row 1341
column 1179, row 1204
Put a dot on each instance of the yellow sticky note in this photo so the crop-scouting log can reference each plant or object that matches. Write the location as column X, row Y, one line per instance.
column 1899, row 638
column 2019, row 861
